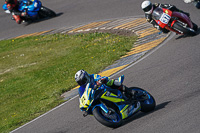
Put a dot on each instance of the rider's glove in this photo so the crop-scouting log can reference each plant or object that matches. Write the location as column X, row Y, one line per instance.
column 148, row 20
column 101, row 81
column 157, row 27
column 156, row 4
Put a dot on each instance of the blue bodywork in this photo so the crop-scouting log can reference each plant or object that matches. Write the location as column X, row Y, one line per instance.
column 31, row 6
column 107, row 91
column 5, row 7
column 111, row 105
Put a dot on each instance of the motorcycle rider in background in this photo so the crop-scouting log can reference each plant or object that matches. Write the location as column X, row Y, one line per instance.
column 148, row 8
column 196, row 3
column 12, row 6
column 83, row 78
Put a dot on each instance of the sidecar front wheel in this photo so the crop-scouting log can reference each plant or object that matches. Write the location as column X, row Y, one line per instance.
column 112, row 119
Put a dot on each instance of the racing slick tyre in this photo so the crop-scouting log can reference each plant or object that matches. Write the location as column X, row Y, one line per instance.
column 147, row 101
column 148, row 105
column 111, row 119
column 46, row 12
column 186, row 30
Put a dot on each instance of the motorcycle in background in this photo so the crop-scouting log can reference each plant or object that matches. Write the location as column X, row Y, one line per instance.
column 33, row 10
column 110, row 106
column 174, row 21
column 195, row 2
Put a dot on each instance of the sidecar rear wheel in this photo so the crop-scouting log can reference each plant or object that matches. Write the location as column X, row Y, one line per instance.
column 110, row 120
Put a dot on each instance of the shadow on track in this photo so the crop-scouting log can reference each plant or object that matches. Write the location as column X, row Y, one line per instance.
column 41, row 20
column 185, row 36
column 141, row 114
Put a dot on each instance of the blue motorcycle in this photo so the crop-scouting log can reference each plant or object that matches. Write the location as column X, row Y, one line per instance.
column 110, row 106
column 33, row 10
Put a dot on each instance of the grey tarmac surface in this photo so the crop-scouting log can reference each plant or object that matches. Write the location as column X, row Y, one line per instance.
column 170, row 74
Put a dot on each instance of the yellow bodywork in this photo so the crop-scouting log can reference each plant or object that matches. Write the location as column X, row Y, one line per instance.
column 113, row 98
column 84, row 100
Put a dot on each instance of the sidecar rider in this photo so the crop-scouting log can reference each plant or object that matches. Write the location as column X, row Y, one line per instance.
column 82, row 78
column 12, row 7
column 148, row 8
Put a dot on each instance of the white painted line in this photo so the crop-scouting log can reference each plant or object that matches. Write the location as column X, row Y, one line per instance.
column 44, row 114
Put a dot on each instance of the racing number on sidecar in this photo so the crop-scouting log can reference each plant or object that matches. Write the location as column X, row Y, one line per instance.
column 165, row 18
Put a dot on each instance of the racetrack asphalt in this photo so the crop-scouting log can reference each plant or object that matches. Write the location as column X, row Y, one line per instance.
column 170, row 74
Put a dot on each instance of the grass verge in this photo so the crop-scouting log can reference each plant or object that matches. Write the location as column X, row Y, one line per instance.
column 35, row 71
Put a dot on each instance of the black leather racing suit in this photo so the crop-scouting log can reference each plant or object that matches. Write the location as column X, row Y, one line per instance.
column 167, row 6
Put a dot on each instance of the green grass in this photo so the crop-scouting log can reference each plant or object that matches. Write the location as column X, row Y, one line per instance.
column 35, row 71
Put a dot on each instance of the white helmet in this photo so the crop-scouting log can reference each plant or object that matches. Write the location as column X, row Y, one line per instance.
column 147, row 7
column 82, row 77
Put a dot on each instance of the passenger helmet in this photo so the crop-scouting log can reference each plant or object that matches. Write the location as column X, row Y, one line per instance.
column 11, row 4
column 82, row 77
column 147, row 7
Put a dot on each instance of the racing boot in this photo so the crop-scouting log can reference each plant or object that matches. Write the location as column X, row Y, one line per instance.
column 128, row 92
column 132, row 94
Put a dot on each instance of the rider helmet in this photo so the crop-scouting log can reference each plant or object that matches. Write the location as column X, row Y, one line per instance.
column 82, row 77
column 11, row 4
column 147, row 6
